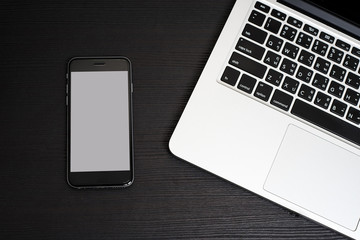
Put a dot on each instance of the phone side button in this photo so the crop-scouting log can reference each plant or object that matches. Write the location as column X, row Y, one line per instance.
column 132, row 87
column 66, row 100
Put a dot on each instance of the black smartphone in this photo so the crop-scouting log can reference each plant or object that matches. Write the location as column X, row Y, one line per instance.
column 99, row 122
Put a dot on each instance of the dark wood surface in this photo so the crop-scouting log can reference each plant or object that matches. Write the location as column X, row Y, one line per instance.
column 168, row 42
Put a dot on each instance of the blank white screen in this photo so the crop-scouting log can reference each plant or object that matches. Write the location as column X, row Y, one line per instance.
column 99, row 121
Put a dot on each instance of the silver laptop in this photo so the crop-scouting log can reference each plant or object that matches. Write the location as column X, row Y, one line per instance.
column 276, row 109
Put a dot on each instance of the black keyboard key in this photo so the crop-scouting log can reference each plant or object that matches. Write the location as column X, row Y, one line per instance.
column 290, row 50
column 294, row 22
column 327, row 37
column 263, row 91
column 339, row 108
column 320, row 81
column 322, row 65
column 355, row 51
column 335, row 55
column 230, row 76
column 306, row 58
column 250, row 48
column 262, row 7
column 290, row 85
column 278, row 14
column 272, row 25
column 353, row 115
column 336, row 89
column 306, row 92
column 281, row 100
column 274, row 43
column 257, row 18
column 311, row 30
column 246, row 83
column 254, row 33
column 337, row 72
column 320, row 47
column 304, row 40
column 288, row 66
column 353, row 80
column 248, row 65
column 352, row 96
column 343, row 45
column 351, row 62
column 274, row 77
column 288, row 32
column 327, row 121
column 322, row 100
column 272, row 59
column 304, row 74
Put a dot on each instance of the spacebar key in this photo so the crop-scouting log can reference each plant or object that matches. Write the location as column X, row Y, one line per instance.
column 326, row 121
column 248, row 65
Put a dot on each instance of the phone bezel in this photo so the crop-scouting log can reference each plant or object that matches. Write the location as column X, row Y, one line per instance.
column 99, row 179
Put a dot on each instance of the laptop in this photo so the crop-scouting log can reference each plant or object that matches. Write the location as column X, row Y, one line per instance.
column 276, row 108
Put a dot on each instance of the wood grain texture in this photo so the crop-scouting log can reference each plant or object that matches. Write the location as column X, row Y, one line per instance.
column 168, row 43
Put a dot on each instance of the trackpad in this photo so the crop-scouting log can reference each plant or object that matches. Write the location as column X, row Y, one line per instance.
column 318, row 176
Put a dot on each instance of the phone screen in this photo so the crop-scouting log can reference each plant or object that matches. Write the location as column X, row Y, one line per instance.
column 99, row 121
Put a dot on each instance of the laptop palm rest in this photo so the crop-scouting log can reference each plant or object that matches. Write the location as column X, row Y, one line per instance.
column 317, row 175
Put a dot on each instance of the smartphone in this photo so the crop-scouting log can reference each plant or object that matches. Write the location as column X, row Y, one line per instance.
column 99, row 122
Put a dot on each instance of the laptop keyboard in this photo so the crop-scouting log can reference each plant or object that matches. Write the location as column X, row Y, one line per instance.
column 298, row 69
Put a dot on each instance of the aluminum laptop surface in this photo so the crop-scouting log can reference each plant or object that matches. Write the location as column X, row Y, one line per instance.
column 265, row 133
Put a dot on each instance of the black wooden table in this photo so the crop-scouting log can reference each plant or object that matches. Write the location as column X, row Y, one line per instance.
column 168, row 42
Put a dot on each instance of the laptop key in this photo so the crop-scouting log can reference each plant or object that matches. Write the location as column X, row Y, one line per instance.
column 290, row 50
column 304, row 74
column 304, row 40
column 230, row 76
column 246, row 83
column 320, row 81
column 353, row 115
column 250, row 48
column 248, row 65
column 320, row 47
column 322, row 65
column 288, row 32
column 288, row 66
column 278, row 14
column 274, row 43
column 274, row 77
column 336, row 89
column 306, row 58
column 327, row 37
column 335, row 55
column 339, row 108
column 281, row 100
column 337, row 72
column 272, row 25
column 353, row 80
column 295, row 22
column 290, row 85
column 352, row 96
column 343, row 45
column 351, row 62
column 311, row 30
column 272, row 59
column 257, row 18
column 254, row 33
column 262, row 7
column 263, row 91
column 326, row 121
column 306, row 92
